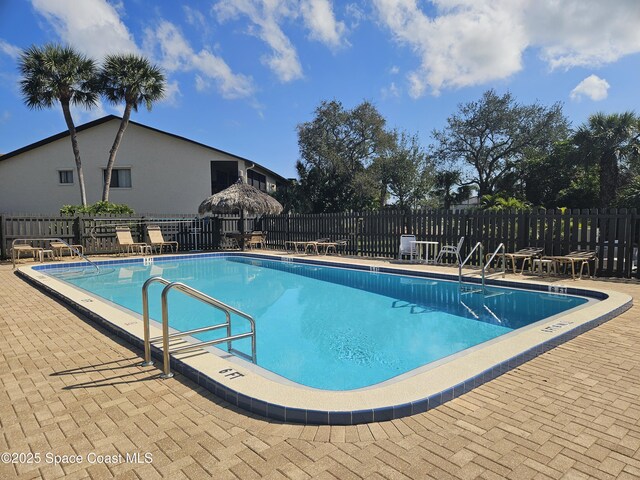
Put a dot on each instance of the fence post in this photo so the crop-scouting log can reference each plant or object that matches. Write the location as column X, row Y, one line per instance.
column 3, row 238
column 287, row 234
column 77, row 232
column 359, row 233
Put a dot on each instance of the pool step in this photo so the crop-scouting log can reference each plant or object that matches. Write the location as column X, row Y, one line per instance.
column 466, row 290
column 494, row 294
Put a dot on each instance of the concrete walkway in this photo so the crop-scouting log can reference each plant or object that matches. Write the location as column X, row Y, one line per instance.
column 69, row 388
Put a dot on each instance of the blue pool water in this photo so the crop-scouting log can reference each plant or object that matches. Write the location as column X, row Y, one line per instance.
column 330, row 328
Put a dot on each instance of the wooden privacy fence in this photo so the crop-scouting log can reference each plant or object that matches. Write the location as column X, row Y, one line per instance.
column 97, row 233
column 613, row 234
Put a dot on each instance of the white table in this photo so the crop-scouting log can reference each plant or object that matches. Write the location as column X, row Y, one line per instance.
column 425, row 245
column 42, row 253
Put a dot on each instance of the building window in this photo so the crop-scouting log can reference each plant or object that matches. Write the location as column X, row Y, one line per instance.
column 223, row 175
column 257, row 180
column 120, row 178
column 65, row 176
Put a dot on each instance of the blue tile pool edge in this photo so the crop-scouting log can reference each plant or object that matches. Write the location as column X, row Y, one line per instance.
column 319, row 417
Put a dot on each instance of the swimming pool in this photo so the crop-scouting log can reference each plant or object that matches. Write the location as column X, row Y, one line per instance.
column 336, row 340
column 326, row 327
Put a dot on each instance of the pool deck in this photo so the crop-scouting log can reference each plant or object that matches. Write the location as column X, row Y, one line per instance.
column 69, row 387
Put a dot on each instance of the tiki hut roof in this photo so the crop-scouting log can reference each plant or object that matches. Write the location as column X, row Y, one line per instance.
column 238, row 197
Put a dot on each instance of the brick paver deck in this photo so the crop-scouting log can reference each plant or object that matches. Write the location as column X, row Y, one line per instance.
column 69, row 388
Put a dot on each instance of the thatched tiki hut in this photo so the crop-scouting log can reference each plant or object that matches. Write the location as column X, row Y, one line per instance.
column 242, row 198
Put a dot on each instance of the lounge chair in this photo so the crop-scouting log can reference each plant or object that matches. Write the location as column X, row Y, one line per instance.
column 527, row 255
column 304, row 246
column 581, row 258
column 312, row 246
column 157, row 240
column 19, row 248
column 333, row 245
column 451, row 250
column 60, row 247
column 257, row 239
column 126, row 243
column 406, row 247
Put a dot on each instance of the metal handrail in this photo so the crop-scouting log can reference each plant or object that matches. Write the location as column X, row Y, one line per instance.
column 196, row 294
column 464, row 262
column 145, row 317
column 49, row 239
column 504, row 263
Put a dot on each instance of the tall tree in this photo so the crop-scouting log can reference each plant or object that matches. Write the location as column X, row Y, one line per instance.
column 493, row 134
column 55, row 73
column 336, row 149
column 612, row 142
column 404, row 171
column 131, row 79
column 447, row 188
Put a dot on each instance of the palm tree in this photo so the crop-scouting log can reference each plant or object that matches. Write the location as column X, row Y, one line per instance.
column 609, row 141
column 55, row 73
column 445, row 182
column 134, row 80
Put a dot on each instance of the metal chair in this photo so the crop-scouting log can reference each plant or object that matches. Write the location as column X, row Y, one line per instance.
column 406, row 247
column 451, row 250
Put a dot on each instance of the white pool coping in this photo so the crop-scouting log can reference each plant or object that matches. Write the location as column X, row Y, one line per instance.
column 418, row 390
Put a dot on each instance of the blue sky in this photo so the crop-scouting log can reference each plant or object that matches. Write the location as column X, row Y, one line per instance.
column 243, row 73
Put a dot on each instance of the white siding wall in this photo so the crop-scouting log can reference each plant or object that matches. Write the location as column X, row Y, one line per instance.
column 168, row 175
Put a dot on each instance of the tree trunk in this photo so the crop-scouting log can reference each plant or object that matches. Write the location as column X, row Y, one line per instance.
column 114, row 151
column 76, row 151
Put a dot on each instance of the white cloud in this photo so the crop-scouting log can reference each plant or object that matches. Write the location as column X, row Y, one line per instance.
column 594, row 87
column 10, row 50
column 92, row 26
column 83, row 115
column 392, row 91
column 5, row 117
column 267, row 17
column 462, row 46
column 319, row 19
column 172, row 93
column 195, row 17
column 584, row 32
column 355, row 15
column 471, row 42
column 176, row 54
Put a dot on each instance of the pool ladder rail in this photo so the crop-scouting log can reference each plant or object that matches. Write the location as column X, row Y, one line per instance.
column 166, row 336
column 464, row 288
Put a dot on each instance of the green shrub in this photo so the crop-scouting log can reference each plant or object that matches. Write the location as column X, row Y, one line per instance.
column 97, row 208
column 498, row 203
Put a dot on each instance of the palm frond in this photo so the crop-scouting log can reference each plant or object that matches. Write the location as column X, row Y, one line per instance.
column 54, row 73
column 131, row 79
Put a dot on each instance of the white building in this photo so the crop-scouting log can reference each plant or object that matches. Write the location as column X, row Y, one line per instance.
column 155, row 171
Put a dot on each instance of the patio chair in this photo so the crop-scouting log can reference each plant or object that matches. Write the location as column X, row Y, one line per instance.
column 126, row 243
column 451, row 250
column 157, row 240
column 406, row 247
